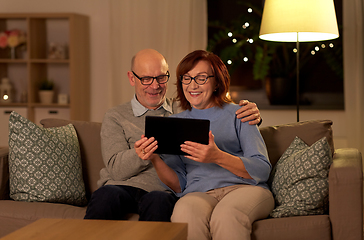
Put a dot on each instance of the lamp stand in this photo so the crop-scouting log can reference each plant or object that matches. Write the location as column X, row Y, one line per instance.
column 298, row 78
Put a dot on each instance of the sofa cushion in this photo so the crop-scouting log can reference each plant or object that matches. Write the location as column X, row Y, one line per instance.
column 278, row 138
column 316, row 227
column 300, row 179
column 90, row 145
column 44, row 164
column 17, row 214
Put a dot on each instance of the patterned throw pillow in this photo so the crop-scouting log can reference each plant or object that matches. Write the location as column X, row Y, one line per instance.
column 300, row 179
column 44, row 163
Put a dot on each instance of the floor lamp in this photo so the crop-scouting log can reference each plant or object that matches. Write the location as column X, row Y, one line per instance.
column 298, row 21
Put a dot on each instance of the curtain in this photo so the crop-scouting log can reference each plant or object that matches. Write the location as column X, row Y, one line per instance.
column 354, row 71
column 172, row 27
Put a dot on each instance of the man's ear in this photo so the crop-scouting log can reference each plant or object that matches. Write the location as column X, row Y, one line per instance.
column 131, row 78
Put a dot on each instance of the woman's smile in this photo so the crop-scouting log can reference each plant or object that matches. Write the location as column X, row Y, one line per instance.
column 195, row 94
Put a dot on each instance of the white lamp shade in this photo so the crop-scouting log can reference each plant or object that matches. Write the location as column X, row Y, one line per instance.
column 310, row 20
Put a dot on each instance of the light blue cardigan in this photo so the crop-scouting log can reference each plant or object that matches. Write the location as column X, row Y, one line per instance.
column 232, row 136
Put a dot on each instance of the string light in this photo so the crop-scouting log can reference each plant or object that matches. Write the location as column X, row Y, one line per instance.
column 250, row 40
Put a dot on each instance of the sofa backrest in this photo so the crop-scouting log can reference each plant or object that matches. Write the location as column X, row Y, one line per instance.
column 278, row 138
column 88, row 134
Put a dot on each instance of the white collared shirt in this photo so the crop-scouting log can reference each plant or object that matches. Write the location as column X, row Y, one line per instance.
column 139, row 109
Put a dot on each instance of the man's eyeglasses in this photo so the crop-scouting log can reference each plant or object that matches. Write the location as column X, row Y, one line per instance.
column 149, row 80
column 199, row 79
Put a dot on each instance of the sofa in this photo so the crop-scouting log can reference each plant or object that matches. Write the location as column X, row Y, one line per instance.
column 342, row 220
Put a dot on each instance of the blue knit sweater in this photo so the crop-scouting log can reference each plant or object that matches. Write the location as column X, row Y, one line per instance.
column 232, row 136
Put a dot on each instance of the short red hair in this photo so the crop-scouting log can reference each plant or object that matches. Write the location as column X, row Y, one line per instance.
column 220, row 72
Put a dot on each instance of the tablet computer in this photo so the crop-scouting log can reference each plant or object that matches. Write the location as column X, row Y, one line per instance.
column 171, row 132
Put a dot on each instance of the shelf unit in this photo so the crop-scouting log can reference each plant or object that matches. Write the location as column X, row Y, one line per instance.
column 71, row 75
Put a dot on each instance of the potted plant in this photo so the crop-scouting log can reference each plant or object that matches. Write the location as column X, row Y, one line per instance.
column 46, row 91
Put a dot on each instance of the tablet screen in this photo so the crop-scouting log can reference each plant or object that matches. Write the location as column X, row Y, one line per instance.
column 171, row 132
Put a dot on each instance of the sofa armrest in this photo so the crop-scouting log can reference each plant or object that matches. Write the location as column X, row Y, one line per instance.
column 4, row 173
column 346, row 194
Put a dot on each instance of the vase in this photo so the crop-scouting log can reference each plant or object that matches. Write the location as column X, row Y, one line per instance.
column 12, row 53
column 46, row 96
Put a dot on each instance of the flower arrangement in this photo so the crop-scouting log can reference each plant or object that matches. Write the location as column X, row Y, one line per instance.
column 12, row 38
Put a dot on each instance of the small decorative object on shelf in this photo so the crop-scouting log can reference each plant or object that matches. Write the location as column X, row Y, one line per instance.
column 62, row 98
column 6, row 91
column 12, row 39
column 46, row 91
column 57, row 51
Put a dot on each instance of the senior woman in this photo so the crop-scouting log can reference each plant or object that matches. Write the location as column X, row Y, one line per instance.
column 222, row 185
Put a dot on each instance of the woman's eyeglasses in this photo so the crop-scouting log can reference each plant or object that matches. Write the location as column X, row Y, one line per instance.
column 199, row 79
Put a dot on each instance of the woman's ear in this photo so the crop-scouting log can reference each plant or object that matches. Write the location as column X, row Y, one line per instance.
column 216, row 87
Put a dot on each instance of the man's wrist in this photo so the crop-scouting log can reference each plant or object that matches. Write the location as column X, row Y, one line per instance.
column 260, row 122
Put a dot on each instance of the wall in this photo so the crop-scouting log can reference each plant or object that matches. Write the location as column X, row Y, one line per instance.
column 98, row 11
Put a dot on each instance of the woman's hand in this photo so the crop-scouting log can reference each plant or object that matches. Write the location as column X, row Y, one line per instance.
column 201, row 152
column 145, row 148
column 212, row 154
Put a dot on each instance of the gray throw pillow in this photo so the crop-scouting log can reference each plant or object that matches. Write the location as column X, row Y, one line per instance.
column 44, row 163
column 300, row 179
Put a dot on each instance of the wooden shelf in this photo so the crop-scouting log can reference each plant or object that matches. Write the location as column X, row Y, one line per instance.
column 54, row 105
column 71, row 75
column 13, row 105
column 8, row 60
